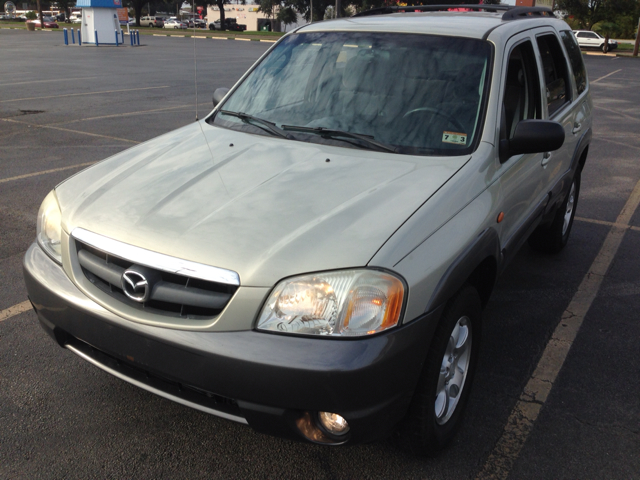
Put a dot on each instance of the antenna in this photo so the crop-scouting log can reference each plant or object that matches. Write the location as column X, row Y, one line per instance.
column 195, row 60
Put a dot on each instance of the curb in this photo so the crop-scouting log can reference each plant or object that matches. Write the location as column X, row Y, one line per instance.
column 213, row 38
column 164, row 35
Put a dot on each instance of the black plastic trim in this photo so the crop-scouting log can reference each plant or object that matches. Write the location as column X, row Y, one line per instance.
column 487, row 244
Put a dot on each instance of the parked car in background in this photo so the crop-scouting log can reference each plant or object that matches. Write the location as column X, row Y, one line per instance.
column 197, row 23
column 230, row 24
column 49, row 22
column 151, row 21
column 313, row 258
column 590, row 39
column 175, row 24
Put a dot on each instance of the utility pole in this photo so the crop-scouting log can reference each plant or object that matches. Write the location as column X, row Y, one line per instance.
column 311, row 21
column 635, row 48
column 41, row 18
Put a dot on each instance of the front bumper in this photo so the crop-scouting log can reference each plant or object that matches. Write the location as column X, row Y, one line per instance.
column 271, row 382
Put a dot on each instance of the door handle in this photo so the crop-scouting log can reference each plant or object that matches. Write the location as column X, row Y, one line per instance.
column 546, row 156
column 576, row 127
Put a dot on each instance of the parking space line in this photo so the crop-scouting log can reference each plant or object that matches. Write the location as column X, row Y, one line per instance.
column 535, row 393
column 608, row 140
column 35, row 125
column 607, row 75
column 46, row 81
column 15, row 310
column 81, row 94
column 617, row 112
column 43, row 172
column 139, row 112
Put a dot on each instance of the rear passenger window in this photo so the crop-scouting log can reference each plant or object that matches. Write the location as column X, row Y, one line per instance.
column 575, row 57
column 556, row 76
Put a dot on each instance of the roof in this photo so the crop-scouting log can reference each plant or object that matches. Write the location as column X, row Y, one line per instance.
column 458, row 24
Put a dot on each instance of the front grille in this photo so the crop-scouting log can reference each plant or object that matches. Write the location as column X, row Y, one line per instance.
column 171, row 294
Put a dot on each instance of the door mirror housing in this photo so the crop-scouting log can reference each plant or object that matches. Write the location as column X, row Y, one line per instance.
column 532, row 136
column 219, row 94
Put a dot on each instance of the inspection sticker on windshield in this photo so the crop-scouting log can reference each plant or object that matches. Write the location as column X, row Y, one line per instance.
column 454, row 137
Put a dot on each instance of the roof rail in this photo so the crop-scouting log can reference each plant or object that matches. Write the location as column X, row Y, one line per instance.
column 517, row 13
column 511, row 13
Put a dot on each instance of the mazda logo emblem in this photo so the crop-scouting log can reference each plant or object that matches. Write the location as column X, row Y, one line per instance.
column 135, row 286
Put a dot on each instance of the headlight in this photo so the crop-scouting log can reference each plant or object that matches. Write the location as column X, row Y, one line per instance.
column 49, row 227
column 341, row 303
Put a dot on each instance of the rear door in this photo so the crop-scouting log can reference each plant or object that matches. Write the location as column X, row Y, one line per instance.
column 561, row 105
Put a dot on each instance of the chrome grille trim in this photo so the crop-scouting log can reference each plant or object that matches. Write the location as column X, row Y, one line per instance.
column 156, row 260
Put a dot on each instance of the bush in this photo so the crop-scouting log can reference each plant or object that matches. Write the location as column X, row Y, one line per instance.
column 31, row 15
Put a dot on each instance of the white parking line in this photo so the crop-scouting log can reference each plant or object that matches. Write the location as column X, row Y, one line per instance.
column 604, row 222
column 15, row 310
column 43, row 172
column 607, row 75
column 81, row 94
column 47, row 81
column 126, row 114
column 536, row 392
column 35, row 125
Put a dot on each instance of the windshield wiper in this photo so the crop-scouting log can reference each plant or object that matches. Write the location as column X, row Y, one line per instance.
column 245, row 117
column 330, row 132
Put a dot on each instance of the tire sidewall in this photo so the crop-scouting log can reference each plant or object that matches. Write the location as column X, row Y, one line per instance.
column 467, row 304
column 426, row 435
column 563, row 208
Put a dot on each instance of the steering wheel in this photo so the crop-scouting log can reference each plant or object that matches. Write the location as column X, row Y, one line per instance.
column 454, row 121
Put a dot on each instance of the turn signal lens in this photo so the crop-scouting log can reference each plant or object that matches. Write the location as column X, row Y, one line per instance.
column 341, row 303
column 49, row 228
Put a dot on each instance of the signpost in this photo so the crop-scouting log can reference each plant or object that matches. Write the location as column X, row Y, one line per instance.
column 635, row 48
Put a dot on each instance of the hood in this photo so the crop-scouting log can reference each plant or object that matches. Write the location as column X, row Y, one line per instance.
column 264, row 207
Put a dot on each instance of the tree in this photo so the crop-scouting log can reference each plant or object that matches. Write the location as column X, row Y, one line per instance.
column 65, row 5
column 608, row 29
column 137, row 8
column 287, row 16
column 590, row 12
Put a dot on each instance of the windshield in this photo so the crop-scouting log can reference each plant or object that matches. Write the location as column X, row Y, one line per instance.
column 418, row 94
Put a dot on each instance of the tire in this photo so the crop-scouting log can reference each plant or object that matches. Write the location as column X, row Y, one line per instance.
column 553, row 238
column 435, row 415
column 211, row 27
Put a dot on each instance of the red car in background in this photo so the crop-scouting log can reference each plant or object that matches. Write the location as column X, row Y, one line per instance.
column 48, row 23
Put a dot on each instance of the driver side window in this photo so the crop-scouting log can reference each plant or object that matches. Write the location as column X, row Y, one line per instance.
column 521, row 99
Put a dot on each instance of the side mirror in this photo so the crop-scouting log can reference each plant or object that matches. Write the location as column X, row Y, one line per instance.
column 532, row 136
column 219, row 94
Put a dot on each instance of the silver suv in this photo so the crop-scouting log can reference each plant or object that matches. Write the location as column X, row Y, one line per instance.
column 312, row 259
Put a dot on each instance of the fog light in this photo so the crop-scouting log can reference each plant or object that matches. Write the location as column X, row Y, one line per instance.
column 333, row 423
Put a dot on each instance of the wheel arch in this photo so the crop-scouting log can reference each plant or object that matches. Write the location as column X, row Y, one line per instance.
column 477, row 265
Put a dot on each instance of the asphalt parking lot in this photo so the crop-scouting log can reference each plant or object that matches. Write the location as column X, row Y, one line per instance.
column 63, row 108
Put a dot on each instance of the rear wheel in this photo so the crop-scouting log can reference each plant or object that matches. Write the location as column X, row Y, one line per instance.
column 436, row 411
column 553, row 238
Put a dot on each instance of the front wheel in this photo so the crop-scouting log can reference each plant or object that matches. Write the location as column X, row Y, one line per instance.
column 211, row 27
column 553, row 238
column 437, row 407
